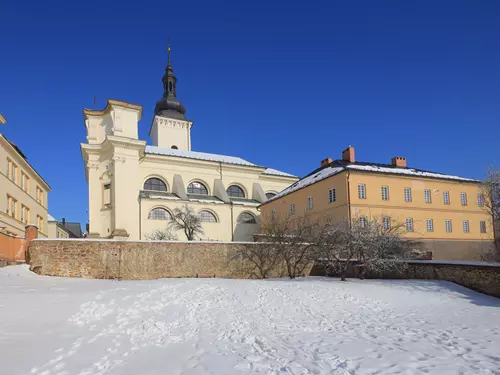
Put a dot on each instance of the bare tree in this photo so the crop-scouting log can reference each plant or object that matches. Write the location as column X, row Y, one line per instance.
column 186, row 219
column 490, row 193
column 161, row 235
column 261, row 259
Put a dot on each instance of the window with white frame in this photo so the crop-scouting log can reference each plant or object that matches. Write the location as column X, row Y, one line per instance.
column 292, row 209
column 106, row 194
column 25, row 182
column 11, row 207
column 466, row 226
column 25, row 214
column 363, row 221
column 40, row 223
column 207, row 217
column 310, row 203
column 332, row 196
column 385, row 193
column 409, row 224
column 361, row 191
column 447, row 224
column 159, row 213
column 386, row 222
column 482, row 226
column 427, row 196
column 407, row 194
column 463, row 198
column 39, row 195
column 446, row 197
column 429, row 225
column 12, row 170
column 480, row 200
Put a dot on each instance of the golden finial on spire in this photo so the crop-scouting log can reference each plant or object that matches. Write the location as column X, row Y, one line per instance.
column 168, row 49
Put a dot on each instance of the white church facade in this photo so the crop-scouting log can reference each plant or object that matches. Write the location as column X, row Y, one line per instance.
column 134, row 187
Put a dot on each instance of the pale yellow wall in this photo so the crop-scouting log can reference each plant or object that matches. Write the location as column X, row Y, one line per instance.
column 167, row 132
column 396, row 207
column 55, row 231
column 13, row 188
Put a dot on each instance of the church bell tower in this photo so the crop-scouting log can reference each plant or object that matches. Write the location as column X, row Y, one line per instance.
column 170, row 128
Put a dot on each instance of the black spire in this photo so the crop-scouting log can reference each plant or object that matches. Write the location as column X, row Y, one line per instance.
column 169, row 105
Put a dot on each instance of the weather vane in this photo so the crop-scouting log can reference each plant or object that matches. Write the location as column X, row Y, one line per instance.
column 168, row 49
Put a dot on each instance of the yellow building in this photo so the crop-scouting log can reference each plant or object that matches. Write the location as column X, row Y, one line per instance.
column 23, row 192
column 446, row 213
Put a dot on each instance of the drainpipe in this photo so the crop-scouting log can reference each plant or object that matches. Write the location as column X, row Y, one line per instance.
column 348, row 199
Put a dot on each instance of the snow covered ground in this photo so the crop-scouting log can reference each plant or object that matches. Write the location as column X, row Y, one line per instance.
column 214, row 326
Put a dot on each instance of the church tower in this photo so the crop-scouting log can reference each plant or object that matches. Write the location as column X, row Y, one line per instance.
column 170, row 128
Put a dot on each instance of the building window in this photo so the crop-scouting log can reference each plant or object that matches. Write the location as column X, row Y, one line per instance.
column 310, row 203
column 155, row 184
column 246, row 218
column 407, row 194
column 446, row 197
column 363, row 221
column 447, row 224
column 11, row 207
column 25, row 214
column 174, row 147
column 463, row 198
column 480, row 200
column 292, row 209
column 235, row 191
column 332, row 196
column 197, row 188
column 12, row 171
column 386, row 221
column 25, row 182
column 482, row 226
column 385, row 193
column 39, row 223
column 362, row 191
column 159, row 213
column 207, row 217
column 427, row 196
column 409, row 224
column 466, row 226
column 270, row 195
column 39, row 195
column 107, row 194
column 429, row 225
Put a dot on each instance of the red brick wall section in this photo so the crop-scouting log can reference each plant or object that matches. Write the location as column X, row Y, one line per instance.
column 13, row 249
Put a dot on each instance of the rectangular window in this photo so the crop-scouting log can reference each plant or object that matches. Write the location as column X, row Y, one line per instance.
column 25, row 182
column 25, row 214
column 332, row 196
column 447, row 224
column 429, row 225
column 409, row 224
column 12, row 170
column 363, row 221
column 446, row 197
column 386, row 222
column 482, row 226
column 292, row 209
column 463, row 198
column 310, row 203
column 107, row 194
column 466, row 226
column 385, row 193
column 480, row 200
column 12, row 207
column 407, row 195
column 39, row 195
column 361, row 191
column 427, row 196
column 39, row 223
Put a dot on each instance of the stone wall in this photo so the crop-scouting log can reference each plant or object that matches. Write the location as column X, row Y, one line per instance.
column 137, row 260
column 457, row 250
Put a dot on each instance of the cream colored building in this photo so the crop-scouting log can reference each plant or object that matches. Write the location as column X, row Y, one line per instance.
column 55, row 229
column 23, row 192
column 134, row 187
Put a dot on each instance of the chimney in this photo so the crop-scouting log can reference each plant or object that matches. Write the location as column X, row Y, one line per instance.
column 399, row 161
column 348, row 154
column 326, row 162
column 63, row 220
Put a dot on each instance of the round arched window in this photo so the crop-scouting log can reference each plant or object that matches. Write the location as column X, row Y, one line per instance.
column 235, row 191
column 155, row 184
column 207, row 217
column 270, row 195
column 246, row 218
column 196, row 187
column 159, row 213
column 174, row 147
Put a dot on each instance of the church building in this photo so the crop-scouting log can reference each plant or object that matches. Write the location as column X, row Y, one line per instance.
column 135, row 187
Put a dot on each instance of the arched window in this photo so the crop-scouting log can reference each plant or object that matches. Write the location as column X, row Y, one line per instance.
column 159, row 213
column 174, row 147
column 270, row 195
column 235, row 191
column 197, row 188
column 155, row 184
column 170, row 86
column 246, row 218
column 207, row 217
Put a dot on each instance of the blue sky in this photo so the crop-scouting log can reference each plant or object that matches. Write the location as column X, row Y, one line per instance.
column 282, row 84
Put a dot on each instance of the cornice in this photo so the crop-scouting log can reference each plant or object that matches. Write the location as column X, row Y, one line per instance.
column 109, row 106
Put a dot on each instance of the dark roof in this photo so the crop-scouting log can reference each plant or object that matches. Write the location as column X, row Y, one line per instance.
column 74, row 228
column 202, row 196
column 243, row 200
column 152, row 193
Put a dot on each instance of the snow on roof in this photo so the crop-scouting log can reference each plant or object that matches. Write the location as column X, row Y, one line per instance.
column 198, row 155
column 309, row 180
column 408, row 171
column 277, row 173
column 50, row 218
